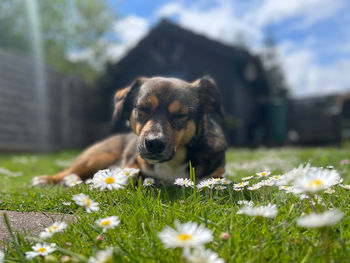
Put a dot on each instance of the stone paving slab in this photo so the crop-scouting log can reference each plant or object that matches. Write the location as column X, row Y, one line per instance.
column 31, row 223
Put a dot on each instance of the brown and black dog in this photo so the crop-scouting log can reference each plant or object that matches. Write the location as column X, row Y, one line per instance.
column 172, row 125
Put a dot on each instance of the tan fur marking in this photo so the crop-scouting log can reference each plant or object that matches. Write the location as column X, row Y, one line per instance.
column 179, row 158
column 121, row 93
column 133, row 121
column 189, row 132
column 151, row 101
column 174, row 107
column 218, row 172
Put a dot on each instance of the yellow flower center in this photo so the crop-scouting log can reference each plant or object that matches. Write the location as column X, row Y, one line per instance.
column 263, row 174
column 315, row 183
column 105, row 222
column 109, row 180
column 41, row 250
column 87, row 201
column 240, row 184
column 127, row 173
column 276, row 177
column 184, row 237
column 149, row 182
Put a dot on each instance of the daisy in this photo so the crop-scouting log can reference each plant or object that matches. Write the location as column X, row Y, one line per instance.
column 220, row 187
column 247, row 178
column 259, row 211
column 72, row 180
column 85, row 201
column 324, row 219
column 148, row 182
column 267, row 182
column 238, row 189
column 54, row 228
column 201, row 255
column 254, row 187
column 245, row 202
column 209, row 183
column 317, row 180
column 275, row 177
column 189, row 234
column 2, row 256
column 40, row 250
column 222, row 181
column 344, row 162
column 110, row 179
column 291, row 175
column 102, row 256
column 183, row 182
column 263, row 173
column 108, row 222
column 345, row 186
column 330, row 191
column 129, row 172
column 241, row 184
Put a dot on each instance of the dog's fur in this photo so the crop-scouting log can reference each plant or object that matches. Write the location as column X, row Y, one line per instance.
column 172, row 124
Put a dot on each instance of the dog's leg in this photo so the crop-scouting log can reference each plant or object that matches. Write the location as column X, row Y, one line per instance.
column 98, row 156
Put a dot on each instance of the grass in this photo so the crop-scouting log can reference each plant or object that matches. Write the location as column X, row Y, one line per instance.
column 145, row 211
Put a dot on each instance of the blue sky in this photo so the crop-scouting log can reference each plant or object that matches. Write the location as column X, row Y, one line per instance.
column 313, row 36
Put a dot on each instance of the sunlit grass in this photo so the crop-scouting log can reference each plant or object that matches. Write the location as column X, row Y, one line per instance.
column 145, row 211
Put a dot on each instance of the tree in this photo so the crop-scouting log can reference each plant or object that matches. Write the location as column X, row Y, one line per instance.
column 67, row 26
column 273, row 69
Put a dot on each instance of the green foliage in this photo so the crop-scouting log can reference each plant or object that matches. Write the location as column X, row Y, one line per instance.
column 144, row 211
column 66, row 26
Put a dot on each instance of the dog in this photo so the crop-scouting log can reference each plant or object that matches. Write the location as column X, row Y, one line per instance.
column 172, row 123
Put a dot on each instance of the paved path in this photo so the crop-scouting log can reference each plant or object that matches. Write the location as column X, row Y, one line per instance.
column 31, row 223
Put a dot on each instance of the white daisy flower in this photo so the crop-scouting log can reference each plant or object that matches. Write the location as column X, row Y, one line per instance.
column 267, row 182
column 345, row 186
column 201, row 255
column 238, row 189
column 330, row 191
column 344, row 162
column 269, row 211
column 220, row 187
column 54, row 228
column 262, row 174
column 289, row 189
column 183, row 182
column 275, row 177
column 89, row 181
column 317, row 180
column 102, row 256
column 189, row 234
column 109, row 222
column 245, row 202
column 209, row 183
column 223, row 181
column 85, row 201
column 247, row 178
column 129, row 172
column 110, row 179
column 2, row 256
column 41, row 250
column 71, row 180
column 240, row 185
column 324, row 219
column 148, row 182
column 254, row 187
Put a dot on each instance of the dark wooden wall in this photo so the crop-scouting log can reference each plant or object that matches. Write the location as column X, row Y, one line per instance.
column 58, row 117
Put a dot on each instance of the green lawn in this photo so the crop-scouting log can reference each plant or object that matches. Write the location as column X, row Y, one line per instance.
column 145, row 211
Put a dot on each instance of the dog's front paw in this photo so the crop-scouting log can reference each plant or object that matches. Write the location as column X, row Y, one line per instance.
column 40, row 180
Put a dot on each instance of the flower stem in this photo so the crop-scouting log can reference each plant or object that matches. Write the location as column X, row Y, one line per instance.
column 326, row 245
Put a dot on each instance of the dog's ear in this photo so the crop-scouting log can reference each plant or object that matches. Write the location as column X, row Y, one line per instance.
column 212, row 113
column 123, row 100
column 209, row 96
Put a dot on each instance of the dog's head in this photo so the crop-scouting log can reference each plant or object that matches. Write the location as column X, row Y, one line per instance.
column 165, row 113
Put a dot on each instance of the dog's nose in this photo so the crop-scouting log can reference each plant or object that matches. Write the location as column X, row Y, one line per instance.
column 155, row 145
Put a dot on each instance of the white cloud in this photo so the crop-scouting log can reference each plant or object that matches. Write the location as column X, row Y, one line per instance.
column 307, row 11
column 307, row 77
column 218, row 22
column 130, row 31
